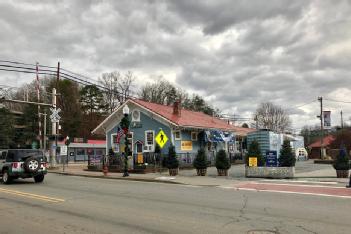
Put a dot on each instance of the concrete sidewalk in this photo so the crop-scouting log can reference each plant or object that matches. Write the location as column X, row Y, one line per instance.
column 306, row 172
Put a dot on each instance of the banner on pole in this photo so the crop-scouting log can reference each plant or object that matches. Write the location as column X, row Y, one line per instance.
column 326, row 120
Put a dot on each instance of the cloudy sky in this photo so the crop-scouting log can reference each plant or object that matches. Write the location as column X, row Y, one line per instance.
column 236, row 54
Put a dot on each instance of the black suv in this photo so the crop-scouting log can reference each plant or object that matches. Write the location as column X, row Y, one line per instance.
column 22, row 163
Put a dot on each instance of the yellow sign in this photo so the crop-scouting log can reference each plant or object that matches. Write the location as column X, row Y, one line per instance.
column 161, row 138
column 140, row 158
column 252, row 162
column 186, row 145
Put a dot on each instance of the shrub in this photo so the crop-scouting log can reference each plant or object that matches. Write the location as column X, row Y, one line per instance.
column 254, row 151
column 200, row 161
column 342, row 160
column 287, row 157
column 171, row 160
column 222, row 161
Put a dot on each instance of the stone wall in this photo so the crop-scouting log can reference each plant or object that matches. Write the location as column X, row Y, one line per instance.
column 270, row 172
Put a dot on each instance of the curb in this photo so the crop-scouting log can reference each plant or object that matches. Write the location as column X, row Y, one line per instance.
column 117, row 178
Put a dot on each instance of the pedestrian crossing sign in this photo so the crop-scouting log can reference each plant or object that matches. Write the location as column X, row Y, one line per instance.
column 161, row 138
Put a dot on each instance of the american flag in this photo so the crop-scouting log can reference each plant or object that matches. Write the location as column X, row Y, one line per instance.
column 120, row 133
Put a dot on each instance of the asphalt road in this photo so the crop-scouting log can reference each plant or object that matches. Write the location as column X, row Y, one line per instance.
column 68, row 204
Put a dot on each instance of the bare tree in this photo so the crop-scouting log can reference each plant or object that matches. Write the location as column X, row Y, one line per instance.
column 118, row 88
column 272, row 117
column 162, row 92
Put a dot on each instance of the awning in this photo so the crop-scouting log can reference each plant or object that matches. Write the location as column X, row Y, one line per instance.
column 219, row 136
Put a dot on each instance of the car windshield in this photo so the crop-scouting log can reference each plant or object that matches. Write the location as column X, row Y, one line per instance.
column 21, row 155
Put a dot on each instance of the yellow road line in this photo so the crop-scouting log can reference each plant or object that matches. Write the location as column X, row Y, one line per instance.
column 31, row 195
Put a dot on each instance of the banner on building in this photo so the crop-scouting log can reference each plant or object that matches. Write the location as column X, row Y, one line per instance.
column 186, row 145
column 326, row 120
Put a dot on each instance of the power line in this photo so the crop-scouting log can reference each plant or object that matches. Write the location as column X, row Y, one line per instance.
column 331, row 100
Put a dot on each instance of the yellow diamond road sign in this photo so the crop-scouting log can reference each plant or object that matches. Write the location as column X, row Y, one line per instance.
column 161, row 138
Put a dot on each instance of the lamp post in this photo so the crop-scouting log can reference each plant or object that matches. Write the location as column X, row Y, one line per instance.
column 125, row 126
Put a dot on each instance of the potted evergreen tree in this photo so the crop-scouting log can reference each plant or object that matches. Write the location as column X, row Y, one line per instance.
column 172, row 162
column 287, row 157
column 222, row 163
column 200, row 162
column 341, row 164
column 255, row 152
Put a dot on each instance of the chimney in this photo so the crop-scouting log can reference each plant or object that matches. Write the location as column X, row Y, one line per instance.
column 177, row 109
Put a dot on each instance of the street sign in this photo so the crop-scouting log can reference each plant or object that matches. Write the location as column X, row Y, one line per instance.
column 252, row 162
column 271, row 158
column 63, row 150
column 54, row 115
column 161, row 138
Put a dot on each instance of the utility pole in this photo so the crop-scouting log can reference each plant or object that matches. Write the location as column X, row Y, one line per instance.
column 320, row 99
column 38, row 96
column 53, row 132
column 342, row 121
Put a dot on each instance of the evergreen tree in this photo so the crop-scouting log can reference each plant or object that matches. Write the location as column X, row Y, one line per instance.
column 200, row 161
column 342, row 160
column 222, row 161
column 254, row 151
column 287, row 157
column 171, row 160
column 6, row 128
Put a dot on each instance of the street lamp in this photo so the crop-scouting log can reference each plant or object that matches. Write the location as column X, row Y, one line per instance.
column 125, row 126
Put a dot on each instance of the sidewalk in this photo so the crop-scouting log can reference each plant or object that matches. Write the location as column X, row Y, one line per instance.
column 306, row 173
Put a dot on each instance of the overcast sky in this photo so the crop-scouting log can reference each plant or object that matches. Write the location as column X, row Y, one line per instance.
column 234, row 53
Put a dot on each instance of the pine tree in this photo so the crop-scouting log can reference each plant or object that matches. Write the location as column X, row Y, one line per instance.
column 255, row 152
column 171, row 160
column 222, row 161
column 200, row 161
column 286, row 158
column 342, row 160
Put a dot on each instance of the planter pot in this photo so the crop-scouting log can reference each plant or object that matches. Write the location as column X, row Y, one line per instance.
column 173, row 171
column 270, row 172
column 222, row 172
column 342, row 173
column 201, row 172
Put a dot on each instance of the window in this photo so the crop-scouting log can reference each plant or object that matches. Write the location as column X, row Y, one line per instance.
column 3, row 155
column 177, row 135
column 194, row 136
column 114, row 138
column 149, row 141
column 80, row 152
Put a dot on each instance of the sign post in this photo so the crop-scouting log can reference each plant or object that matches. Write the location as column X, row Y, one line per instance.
column 161, row 138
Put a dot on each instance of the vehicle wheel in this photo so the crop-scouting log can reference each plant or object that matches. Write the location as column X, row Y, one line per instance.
column 31, row 165
column 39, row 178
column 6, row 178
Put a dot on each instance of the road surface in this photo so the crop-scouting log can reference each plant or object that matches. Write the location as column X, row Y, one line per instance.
column 69, row 204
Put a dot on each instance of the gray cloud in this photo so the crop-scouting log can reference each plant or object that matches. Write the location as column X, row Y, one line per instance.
column 235, row 53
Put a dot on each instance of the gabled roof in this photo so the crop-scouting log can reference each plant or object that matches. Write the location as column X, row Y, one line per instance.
column 187, row 118
column 327, row 140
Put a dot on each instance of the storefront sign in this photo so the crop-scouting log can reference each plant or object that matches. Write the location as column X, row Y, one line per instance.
column 271, row 158
column 186, row 145
column 252, row 162
column 140, row 158
column 136, row 125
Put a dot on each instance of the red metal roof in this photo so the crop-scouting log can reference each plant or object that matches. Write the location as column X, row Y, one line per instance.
column 191, row 118
column 326, row 141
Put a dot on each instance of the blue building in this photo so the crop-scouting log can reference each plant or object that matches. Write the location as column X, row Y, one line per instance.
column 186, row 130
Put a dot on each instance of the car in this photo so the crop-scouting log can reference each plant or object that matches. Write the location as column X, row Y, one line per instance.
column 22, row 163
column 301, row 154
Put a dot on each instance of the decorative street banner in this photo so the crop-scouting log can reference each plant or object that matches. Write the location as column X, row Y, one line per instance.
column 271, row 158
column 252, row 162
column 326, row 120
column 186, row 145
